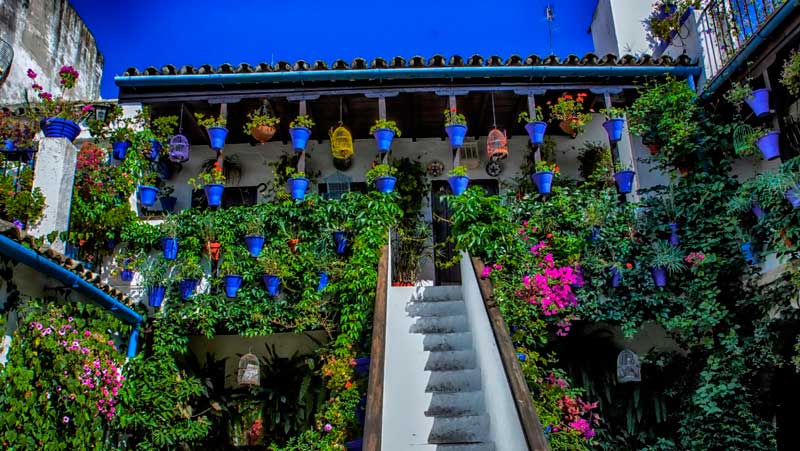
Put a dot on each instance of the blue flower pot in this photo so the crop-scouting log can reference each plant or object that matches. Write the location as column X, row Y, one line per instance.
column 168, row 203
column 341, row 238
column 769, row 145
column 187, row 287
column 543, row 181
column 298, row 187
column 272, row 284
column 119, row 149
column 458, row 184
column 536, row 131
column 362, row 366
column 594, row 233
column 232, row 284
column 793, row 197
column 155, row 296
column 456, row 133
column 578, row 271
column 254, row 244
column 361, row 410
column 757, row 210
column 300, row 137
column 614, row 128
column 386, row 183
column 126, row 275
column 147, row 195
column 384, row 137
column 217, row 137
column 155, row 149
column 659, row 274
column 170, row 247
column 214, row 194
column 747, row 251
column 354, row 445
column 624, row 180
column 616, row 277
column 323, row 280
column 759, row 102
column 56, row 127
column 9, row 143
column 674, row 238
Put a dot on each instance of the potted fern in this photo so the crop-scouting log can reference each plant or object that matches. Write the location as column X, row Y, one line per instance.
column 300, row 131
column 215, row 126
column 455, row 124
column 383, row 177
column 261, row 126
column 535, row 126
column 666, row 259
column 384, row 132
column 458, row 180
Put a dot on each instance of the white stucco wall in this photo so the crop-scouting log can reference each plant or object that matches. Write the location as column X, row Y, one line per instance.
column 618, row 28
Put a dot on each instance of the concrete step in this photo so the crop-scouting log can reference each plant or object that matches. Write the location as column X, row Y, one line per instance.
column 441, row 293
column 455, row 404
column 460, row 429
column 450, row 361
column 447, row 342
column 440, row 325
column 457, row 381
column 486, row 446
column 437, row 308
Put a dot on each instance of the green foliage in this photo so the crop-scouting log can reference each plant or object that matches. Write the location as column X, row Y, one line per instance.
column 302, row 121
column 380, row 170
column 525, row 117
column 458, row 171
column 594, row 160
column 18, row 199
column 257, row 119
column 452, row 117
column 385, row 123
column 209, row 121
column 738, row 92
column 790, row 76
column 667, row 256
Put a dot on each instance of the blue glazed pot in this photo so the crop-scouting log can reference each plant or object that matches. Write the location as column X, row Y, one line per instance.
column 323, row 280
column 155, row 149
column 594, row 234
column 298, row 187
column 341, row 238
column 616, row 277
column 126, row 275
column 614, row 128
column 272, row 284
column 168, row 203
column 674, row 238
column 659, row 274
column 361, row 410
column 578, row 271
column 56, row 127
column 757, row 210
column 386, row 183
column 300, row 137
column 187, row 287
column 147, row 195
column 536, row 131
column 458, row 184
column 232, row 284
column 769, row 145
column 793, row 197
column 747, row 251
column 214, row 194
column 522, row 356
column 384, row 137
column 759, row 102
column 155, row 296
column 217, row 137
column 362, row 366
column 354, row 445
column 456, row 133
column 9, row 143
column 543, row 181
column 624, row 180
column 119, row 149
column 254, row 244
column 170, row 247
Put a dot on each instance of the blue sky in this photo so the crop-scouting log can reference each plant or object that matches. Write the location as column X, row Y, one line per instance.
column 145, row 33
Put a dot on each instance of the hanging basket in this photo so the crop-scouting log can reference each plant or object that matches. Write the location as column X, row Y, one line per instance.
column 742, row 137
column 179, row 149
column 497, row 145
column 341, row 143
column 263, row 133
column 249, row 370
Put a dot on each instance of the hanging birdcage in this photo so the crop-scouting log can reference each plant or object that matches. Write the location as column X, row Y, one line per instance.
column 178, row 149
column 629, row 369
column 341, row 143
column 743, row 139
column 249, row 370
column 497, row 145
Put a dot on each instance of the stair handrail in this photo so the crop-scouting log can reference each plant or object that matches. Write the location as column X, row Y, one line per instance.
column 528, row 416
column 373, row 421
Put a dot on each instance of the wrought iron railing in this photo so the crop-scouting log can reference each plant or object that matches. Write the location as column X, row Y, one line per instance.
column 725, row 26
column 14, row 162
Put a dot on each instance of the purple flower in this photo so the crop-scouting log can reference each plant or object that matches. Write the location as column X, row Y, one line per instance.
column 328, row 427
column 65, row 420
column 31, row 74
column 18, row 224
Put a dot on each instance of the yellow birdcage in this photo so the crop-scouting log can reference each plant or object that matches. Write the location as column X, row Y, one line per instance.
column 497, row 145
column 341, row 142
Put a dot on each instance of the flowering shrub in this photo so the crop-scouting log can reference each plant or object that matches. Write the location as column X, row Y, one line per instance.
column 50, row 105
column 551, row 288
column 20, row 202
column 569, row 108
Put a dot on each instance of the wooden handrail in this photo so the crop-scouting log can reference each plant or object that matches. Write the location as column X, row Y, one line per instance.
column 528, row 417
column 373, row 422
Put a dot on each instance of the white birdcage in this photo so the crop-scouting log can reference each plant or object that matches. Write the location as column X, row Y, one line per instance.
column 249, row 370
column 629, row 369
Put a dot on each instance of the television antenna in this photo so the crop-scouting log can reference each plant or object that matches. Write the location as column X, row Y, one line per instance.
column 550, row 17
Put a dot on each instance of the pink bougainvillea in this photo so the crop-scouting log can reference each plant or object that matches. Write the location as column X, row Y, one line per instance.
column 551, row 287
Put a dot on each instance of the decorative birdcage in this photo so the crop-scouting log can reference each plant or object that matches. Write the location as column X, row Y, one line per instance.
column 629, row 369
column 249, row 370
column 742, row 138
column 179, row 149
column 469, row 154
column 497, row 145
column 341, row 143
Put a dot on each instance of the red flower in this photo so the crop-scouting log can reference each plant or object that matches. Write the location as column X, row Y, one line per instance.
column 628, row 265
column 549, row 236
column 348, row 384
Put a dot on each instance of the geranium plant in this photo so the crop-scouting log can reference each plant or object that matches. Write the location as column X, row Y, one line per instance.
column 385, row 123
column 213, row 176
column 49, row 105
column 453, row 117
column 302, row 120
column 570, row 109
column 544, row 165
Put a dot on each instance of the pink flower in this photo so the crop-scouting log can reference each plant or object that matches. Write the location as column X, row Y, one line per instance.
column 87, row 334
column 487, row 271
column 37, row 87
column 65, row 420
column 45, row 96
column 31, row 74
column 328, row 427
column 87, row 108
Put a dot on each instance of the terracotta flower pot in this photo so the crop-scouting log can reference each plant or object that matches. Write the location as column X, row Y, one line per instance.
column 293, row 244
column 262, row 133
column 654, row 148
column 566, row 127
column 213, row 249
column 684, row 171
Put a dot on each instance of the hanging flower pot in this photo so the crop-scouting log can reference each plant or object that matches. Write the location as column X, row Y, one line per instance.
column 168, row 203
column 536, row 131
column 543, row 181
column 793, row 197
column 293, row 244
column 323, row 280
column 155, row 150
column 749, row 256
column 759, row 102
column 187, row 287
column 213, row 250
column 341, row 238
column 217, row 136
column 594, row 233
column 254, row 243
column 383, row 137
column 757, row 210
column 126, row 275
column 616, row 277
column 147, row 195
column 170, row 247
column 214, row 193
column 458, row 184
column 624, row 181
column 263, row 133
column 456, row 133
column 272, row 284
column 232, row 283
column 566, row 127
column 769, row 145
column 659, row 274
column 674, row 239
column 56, row 127
column 9, row 143
column 385, row 184
column 354, row 445
column 298, row 187
column 155, row 296
column 614, row 128
column 361, row 366
column 300, row 137
column 578, row 271
column 119, row 149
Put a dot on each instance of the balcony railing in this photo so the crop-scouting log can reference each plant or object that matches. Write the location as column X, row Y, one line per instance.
column 725, row 26
column 14, row 162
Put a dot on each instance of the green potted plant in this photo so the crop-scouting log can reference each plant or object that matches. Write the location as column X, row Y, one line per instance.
column 623, row 176
column 272, row 271
column 664, row 21
column 455, row 124
column 231, row 269
column 208, row 232
column 458, row 179
column 544, row 175
column 297, row 182
column 568, row 109
column 665, row 259
column 261, row 125
column 383, row 175
column 254, row 236
column 147, row 189
column 741, row 92
column 169, row 238
column 300, row 131
column 215, row 126
column 384, row 131
column 614, row 124
column 212, row 182
column 156, row 276
column 189, row 273
column 535, row 126
column 126, row 264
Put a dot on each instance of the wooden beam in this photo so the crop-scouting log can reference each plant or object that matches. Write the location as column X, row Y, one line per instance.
column 481, row 115
column 373, row 422
column 522, row 102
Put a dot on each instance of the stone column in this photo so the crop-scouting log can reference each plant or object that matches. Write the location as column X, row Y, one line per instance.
column 55, row 176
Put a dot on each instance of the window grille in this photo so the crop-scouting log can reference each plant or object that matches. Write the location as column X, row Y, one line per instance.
column 336, row 185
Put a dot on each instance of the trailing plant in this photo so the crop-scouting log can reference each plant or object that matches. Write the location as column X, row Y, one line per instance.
column 20, row 202
column 664, row 20
column 738, row 92
column 385, row 123
column 209, row 121
column 258, row 119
